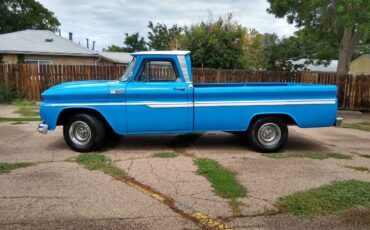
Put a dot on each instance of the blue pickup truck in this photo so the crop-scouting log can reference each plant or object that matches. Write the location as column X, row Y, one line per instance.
column 156, row 95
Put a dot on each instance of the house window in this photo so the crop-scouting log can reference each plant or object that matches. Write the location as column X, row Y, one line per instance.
column 38, row 62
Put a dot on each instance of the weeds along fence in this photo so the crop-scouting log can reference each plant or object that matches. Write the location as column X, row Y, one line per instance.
column 31, row 80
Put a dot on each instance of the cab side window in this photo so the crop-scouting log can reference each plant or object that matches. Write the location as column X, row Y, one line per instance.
column 158, row 71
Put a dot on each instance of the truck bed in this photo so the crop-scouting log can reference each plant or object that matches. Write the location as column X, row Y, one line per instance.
column 231, row 106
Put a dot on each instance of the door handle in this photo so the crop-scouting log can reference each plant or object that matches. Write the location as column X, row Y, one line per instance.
column 179, row 88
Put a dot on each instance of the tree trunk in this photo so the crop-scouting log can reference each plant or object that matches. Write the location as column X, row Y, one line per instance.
column 348, row 44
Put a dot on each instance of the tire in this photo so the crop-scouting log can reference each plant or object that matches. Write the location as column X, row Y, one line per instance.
column 84, row 133
column 268, row 134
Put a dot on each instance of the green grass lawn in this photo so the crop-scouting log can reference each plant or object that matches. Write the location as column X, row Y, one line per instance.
column 18, row 119
column 24, row 102
column 26, row 108
column 365, row 126
column 95, row 161
column 165, row 155
column 357, row 168
column 27, row 111
column 7, row 167
column 319, row 156
column 364, row 155
column 223, row 181
column 327, row 199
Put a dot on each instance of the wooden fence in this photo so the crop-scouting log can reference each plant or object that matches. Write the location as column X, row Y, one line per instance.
column 31, row 80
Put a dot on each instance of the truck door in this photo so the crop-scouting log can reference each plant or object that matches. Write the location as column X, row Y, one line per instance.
column 158, row 99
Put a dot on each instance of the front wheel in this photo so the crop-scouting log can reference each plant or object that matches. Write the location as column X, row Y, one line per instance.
column 268, row 134
column 84, row 132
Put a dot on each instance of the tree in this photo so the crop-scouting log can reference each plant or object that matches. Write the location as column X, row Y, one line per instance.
column 132, row 43
column 163, row 38
column 254, row 47
column 217, row 44
column 280, row 53
column 340, row 24
column 25, row 14
column 113, row 48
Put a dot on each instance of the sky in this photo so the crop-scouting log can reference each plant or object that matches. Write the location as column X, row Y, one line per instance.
column 106, row 21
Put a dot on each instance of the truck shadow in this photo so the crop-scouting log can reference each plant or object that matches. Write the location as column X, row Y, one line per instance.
column 210, row 141
column 207, row 141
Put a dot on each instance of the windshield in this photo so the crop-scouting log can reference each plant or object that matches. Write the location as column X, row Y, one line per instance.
column 126, row 75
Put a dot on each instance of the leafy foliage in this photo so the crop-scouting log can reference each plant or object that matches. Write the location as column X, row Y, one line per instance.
column 328, row 26
column 25, row 14
column 254, row 50
column 279, row 54
column 7, row 95
column 217, row 44
column 224, row 43
column 163, row 38
column 132, row 43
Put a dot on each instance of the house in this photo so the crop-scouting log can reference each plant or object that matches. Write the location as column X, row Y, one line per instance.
column 360, row 65
column 117, row 58
column 44, row 47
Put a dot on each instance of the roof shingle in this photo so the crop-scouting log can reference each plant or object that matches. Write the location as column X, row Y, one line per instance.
column 35, row 42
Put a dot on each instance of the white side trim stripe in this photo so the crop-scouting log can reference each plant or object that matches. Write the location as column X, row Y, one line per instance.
column 269, row 102
column 206, row 103
column 88, row 104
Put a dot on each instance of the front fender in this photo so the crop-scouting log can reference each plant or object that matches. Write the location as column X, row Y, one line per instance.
column 113, row 113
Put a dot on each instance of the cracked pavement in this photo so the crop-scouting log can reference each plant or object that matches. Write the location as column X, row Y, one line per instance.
column 59, row 194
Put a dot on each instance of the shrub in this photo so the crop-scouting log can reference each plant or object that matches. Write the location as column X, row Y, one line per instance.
column 6, row 94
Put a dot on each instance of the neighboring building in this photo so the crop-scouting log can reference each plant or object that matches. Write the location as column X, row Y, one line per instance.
column 332, row 67
column 44, row 47
column 360, row 65
column 117, row 58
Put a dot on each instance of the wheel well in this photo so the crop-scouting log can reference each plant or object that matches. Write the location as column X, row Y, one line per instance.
column 284, row 117
column 66, row 114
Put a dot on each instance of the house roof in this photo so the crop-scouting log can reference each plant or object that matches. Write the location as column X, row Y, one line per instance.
column 332, row 67
column 42, row 42
column 174, row 52
column 117, row 57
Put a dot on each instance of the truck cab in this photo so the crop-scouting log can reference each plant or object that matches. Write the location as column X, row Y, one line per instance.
column 159, row 93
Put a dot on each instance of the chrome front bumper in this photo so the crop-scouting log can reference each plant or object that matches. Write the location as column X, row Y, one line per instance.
column 338, row 122
column 42, row 128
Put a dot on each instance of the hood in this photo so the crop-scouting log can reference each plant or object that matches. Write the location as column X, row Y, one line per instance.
column 74, row 84
column 79, row 91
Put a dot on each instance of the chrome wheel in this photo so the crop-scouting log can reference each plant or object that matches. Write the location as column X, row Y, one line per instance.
column 269, row 134
column 80, row 133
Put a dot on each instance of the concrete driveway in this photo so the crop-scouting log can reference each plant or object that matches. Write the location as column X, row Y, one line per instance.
column 58, row 193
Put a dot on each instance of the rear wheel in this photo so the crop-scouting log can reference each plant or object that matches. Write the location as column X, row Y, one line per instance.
column 268, row 134
column 84, row 132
